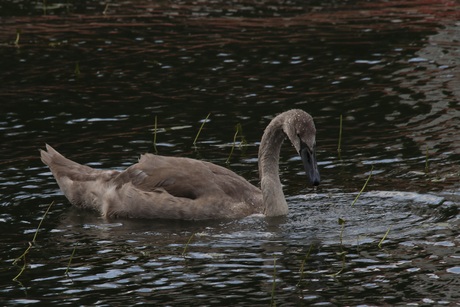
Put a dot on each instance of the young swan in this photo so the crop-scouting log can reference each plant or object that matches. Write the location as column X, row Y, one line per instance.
column 189, row 189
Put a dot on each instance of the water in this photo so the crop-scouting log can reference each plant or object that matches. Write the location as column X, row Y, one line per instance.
column 89, row 80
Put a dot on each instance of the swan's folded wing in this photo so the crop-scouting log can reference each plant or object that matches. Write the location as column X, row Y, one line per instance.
column 188, row 178
column 180, row 177
column 232, row 184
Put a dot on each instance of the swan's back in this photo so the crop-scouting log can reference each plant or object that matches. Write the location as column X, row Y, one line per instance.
column 157, row 187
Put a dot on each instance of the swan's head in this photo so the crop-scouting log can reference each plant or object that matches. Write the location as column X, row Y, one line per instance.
column 301, row 131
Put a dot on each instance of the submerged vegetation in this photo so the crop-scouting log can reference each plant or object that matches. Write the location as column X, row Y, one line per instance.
column 23, row 257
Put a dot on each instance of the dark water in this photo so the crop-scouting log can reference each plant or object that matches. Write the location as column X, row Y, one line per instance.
column 89, row 79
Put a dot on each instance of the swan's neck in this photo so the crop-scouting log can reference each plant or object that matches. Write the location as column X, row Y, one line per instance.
column 270, row 184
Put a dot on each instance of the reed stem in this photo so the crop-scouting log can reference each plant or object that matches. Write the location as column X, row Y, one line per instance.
column 364, row 186
column 77, row 71
column 186, row 245
column 427, row 168
column 302, row 267
column 18, row 36
column 31, row 244
column 239, row 130
column 201, row 128
column 339, row 147
column 342, row 251
column 70, row 261
column 155, row 136
column 273, row 303
column 384, row 237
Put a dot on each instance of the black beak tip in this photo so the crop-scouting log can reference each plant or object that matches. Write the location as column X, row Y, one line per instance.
column 315, row 180
column 311, row 168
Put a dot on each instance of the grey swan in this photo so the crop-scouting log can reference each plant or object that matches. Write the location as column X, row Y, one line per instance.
column 189, row 189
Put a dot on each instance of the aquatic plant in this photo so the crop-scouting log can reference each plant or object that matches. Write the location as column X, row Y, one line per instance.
column 273, row 303
column 106, row 9
column 77, row 69
column 427, row 169
column 384, row 237
column 342, row 223
column 302, row 267
column 31, row 244
column 339, row 146
column 239, row 131
column 70, row 261
column 187, row 244
column 342, row 253
column 18, row 36
column 364, row 186
column 45, row 5
column 155, row 136
column 201, row 128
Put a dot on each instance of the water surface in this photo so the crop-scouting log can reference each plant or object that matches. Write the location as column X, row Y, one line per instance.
column 89, row 79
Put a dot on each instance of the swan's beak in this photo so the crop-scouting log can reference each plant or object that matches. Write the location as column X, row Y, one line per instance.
column 308, row 157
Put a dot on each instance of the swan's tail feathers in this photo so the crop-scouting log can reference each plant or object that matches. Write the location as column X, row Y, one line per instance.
column 81, row 184
column 61, row 166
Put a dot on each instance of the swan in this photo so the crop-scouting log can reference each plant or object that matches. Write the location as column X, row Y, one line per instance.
column 188, row 189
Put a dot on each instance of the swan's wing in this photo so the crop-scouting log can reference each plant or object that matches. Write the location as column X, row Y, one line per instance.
column 231, row 183
column 183, row 177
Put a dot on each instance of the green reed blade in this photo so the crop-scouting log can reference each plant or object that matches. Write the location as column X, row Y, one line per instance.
column 273, row 303
column 201, row 128
column 364, row 186
column 339, row 146
column 187, row 244
column 70, row 261
column 302, row 267
column 31, row 244
column 238, row 131
column 384, row 237
column 155, row 136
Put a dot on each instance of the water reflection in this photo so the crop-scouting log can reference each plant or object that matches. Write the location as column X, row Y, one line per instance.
column 90, row 79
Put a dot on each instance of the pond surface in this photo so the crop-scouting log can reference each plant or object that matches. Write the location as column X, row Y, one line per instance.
column 90, row 79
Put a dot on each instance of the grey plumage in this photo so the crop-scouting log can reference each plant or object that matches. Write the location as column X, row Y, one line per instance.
column 183, row 188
